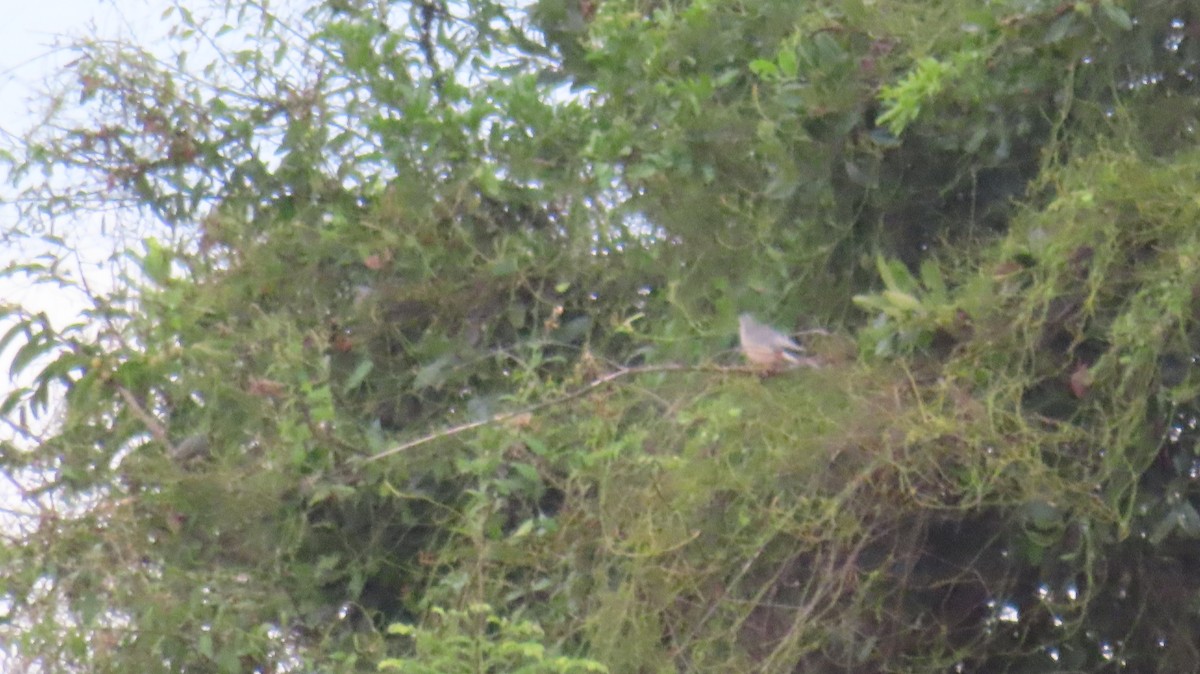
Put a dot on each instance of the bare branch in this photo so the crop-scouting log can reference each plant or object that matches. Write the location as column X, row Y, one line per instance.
column 578, row 393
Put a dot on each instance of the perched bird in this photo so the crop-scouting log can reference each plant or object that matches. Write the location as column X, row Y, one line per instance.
column 766, row 347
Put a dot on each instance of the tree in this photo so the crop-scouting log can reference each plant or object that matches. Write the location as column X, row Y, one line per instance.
column 428, row 364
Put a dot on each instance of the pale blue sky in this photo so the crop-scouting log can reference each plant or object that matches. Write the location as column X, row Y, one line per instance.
column 33, row 43
column 31, row 52
column 29, row 37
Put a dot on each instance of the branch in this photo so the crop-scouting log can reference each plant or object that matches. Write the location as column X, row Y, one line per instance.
column 578, row 393
column 429, row 11
column 157, row 430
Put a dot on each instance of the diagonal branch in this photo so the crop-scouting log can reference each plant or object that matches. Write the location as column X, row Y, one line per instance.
column 573, row 395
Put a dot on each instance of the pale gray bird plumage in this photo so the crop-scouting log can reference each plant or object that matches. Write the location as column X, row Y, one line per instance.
column 764, row 346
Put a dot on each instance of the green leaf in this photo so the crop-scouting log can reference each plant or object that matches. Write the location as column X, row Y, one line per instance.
column 364, row 368
column 505, row 265
column 788, row 64
column 24, row 326
column 1061, row 27
column 156, row 262
column 902, row 300
column 931, row 278
column 1116, row 15
column 29, row 352
column 132, row 373
column 871, row 302
column 433, row 375
column 13, row 399
column 764, row 68
column 204, row 644
column 401, row 629
column 895, row 275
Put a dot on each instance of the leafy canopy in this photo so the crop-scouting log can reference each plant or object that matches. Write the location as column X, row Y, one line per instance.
column 424, row 360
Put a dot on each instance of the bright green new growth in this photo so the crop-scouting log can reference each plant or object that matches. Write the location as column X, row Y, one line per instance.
column 477, row 640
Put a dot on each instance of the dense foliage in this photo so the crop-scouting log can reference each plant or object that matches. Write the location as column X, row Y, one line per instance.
column 427, row 365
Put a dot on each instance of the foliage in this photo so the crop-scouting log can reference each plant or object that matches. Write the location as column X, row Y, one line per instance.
column 353, row 401
column 444, row 648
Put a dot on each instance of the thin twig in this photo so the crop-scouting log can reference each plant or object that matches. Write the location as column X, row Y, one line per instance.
column 578, row 393
column 153, row 425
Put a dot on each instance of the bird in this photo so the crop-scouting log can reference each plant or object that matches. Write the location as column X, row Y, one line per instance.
column 767, row 348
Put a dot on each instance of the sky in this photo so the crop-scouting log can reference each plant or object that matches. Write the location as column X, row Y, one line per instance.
column 34, row 55
column 29, row 37
column 32, row 52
